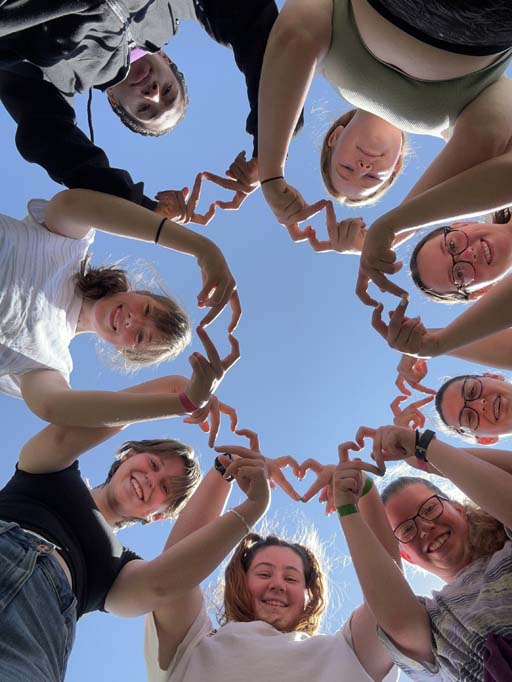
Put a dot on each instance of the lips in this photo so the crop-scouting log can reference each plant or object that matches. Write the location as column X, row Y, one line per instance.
column 372, row 155
column 115, row 318
column 140, row 70
column 275, row 602
column 137, row 488
column 486, row 250
column 436, row 544
column 497, row 407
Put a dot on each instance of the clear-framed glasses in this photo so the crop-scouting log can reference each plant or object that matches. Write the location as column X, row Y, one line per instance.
column 463, row 272
column 469, row 419
column 431, row 509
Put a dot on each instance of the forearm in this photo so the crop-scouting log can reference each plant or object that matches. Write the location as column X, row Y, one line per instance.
column 490, row 314
column 475, row 191
column 487, row 485
column 206, row 504
column 288, row 67
column 103, row 408
column 372, row 512
column 386, row 590
column 493, row 351
column 73, row 210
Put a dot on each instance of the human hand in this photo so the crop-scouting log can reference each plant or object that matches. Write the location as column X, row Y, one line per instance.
column 219, row 287
column 348, row 478
column 345, row 236
column 411, row 416
column 249, row 470
column 406, row 334
column 413, row 371
column 173, row 204
column 287, row 203
column 242, row 180
column 207, row 374
column 212, row 410
column 390, row 443
column 377, row 260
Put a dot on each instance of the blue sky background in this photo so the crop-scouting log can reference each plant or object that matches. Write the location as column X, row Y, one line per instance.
column 312, row 369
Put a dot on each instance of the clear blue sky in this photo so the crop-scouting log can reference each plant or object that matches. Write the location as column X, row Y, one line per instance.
column 312, row 369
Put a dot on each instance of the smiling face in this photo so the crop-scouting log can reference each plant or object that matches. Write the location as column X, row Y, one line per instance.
column 480, row 406
column 151, row 94
column 441, row 546
column 364, row 154
column 142, row 485
column 125, row 320
column 276, row 583
column 483, row 250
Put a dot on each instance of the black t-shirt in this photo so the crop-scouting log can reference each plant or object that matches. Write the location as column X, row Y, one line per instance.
column 60, row 507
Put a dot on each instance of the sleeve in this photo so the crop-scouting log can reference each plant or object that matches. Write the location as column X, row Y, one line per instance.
column 245, row 26
column 49, row 136
column 200, row 628
column 418, row 672
column 346, row 633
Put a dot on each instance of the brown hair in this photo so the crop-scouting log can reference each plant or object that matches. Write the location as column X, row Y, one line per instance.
column 486, row 534
column 325, row 166
column 237, row 599
column 137, row 126
column 170, row 319
column 167, row 448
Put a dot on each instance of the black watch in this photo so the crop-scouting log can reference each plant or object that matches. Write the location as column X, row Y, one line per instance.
column 221, row 468
column 422, row 443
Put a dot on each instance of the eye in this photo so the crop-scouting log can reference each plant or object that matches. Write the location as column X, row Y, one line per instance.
column 154, row 465
column 143, row 108
column 167, row 89
column 165, row 489
column 452, row 246
column 140, row 338
column 429, row 508
column 263, row 575
column 373, row 177
column 291, row 580
column 147, row 310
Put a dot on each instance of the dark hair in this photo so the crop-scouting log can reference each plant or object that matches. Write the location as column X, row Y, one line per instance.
column 137, row 126
column 182, row 486
column 439, row 399
column 325, row 163
column 171, row 320
column 486, row 534
column 237, row 600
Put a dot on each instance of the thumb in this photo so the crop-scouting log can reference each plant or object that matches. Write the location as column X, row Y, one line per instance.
column 185, row 192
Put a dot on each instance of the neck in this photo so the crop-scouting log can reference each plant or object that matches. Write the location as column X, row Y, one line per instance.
column 84, row 323
column 101, row 499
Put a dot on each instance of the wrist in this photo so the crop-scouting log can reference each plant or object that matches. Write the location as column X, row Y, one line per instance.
column 347, row 509
column 253, row 510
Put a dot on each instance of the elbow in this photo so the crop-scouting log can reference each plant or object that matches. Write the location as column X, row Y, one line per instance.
column 293, row 34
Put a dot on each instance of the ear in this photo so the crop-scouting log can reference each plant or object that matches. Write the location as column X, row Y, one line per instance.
column 111, row 97
column 489, row 440
column 129, row 453
column 333, row 137
column 406, row 556
column 492, row 375
column 159, row 516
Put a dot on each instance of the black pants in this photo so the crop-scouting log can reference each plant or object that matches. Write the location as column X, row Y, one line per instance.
column 473, row 27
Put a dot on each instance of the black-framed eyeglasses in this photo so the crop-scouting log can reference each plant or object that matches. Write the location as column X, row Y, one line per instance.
column 469, row 419
column 463, row 272
column 431, row 509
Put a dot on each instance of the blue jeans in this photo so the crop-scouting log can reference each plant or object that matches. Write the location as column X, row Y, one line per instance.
column 37, row 609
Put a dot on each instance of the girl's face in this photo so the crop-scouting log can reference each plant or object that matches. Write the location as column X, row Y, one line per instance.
column 480, row 406
column 441, row 546
column 276, row 582
column 142, row 485
column 151, row 93
column 364, row 155
column 472, row 254
column 125, row 320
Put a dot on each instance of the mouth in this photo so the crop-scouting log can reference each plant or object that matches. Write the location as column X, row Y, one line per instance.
column 115, row 318
column 137, row 488
column 140, row 70
column 497, row 408
column 486, row 250
column 275, row 603
column 436, row 545
column 372, row 155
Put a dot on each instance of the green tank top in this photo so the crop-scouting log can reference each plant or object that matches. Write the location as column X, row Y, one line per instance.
column 411, row 104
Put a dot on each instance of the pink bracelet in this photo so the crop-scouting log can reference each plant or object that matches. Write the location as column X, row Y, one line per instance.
column 188, row 405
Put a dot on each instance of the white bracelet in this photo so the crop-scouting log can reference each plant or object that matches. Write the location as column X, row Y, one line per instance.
column 241, row 517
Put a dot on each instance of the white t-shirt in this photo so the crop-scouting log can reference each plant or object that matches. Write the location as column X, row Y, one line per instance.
column 255, row 651
column 39, row 307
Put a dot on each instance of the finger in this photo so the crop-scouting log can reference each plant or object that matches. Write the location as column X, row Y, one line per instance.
column 234, row 355
column 285, row 485
column 362, row 290
column 395, row 405
column 422, row 402
column 234, row 203
column 239, row 450
column 223, row 182
column 288, row 461
column 297, row 234
column 211, row 351
column 318, row 245
column 378, row 323
column 194, row 197
column 400, row 384
column 206, row 218
column 364, row 432
column 313, row 490
column 386, row 285
column 364, row 466
column 309, row 211
column 423, row 389
column 244, row 465
column 231, row 413
column 215, row 422
column 254, row 441
column 236, row 309
column 397, row 320
column 344, row 449
column 311, row 464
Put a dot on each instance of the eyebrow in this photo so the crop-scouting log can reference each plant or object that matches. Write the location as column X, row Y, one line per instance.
column 267, row 563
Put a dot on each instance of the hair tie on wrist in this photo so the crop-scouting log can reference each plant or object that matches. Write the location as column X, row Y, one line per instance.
column 242, row 519
column 347, row 509
column 368, row 484
column 157, row 235
column 276, row 177
column 188, row 405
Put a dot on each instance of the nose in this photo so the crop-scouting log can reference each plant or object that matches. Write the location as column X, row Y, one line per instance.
column 424, row 527
column 152, row 90
column 364, row 164
column 277, row 584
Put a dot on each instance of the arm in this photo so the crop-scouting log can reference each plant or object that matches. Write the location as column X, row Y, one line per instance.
column 498, row 458
column 298, row 41
column 48, row 135
column 494, row 350
column 56, row 447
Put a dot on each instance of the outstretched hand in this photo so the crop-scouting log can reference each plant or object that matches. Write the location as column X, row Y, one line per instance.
column 219, row 288
column 378, row 259
column 390, row 443
column 213, row 411
column 406, row 334
column 288, row 205
column 412, row 371
column 410, row 416
column 173, row 204
column 242, row 179
column 345, row 236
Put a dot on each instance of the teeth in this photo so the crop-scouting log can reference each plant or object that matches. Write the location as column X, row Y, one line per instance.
column 137, row 488
column 437, row 544
column 497, row 408
column 487, row 251
column 273, row 602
